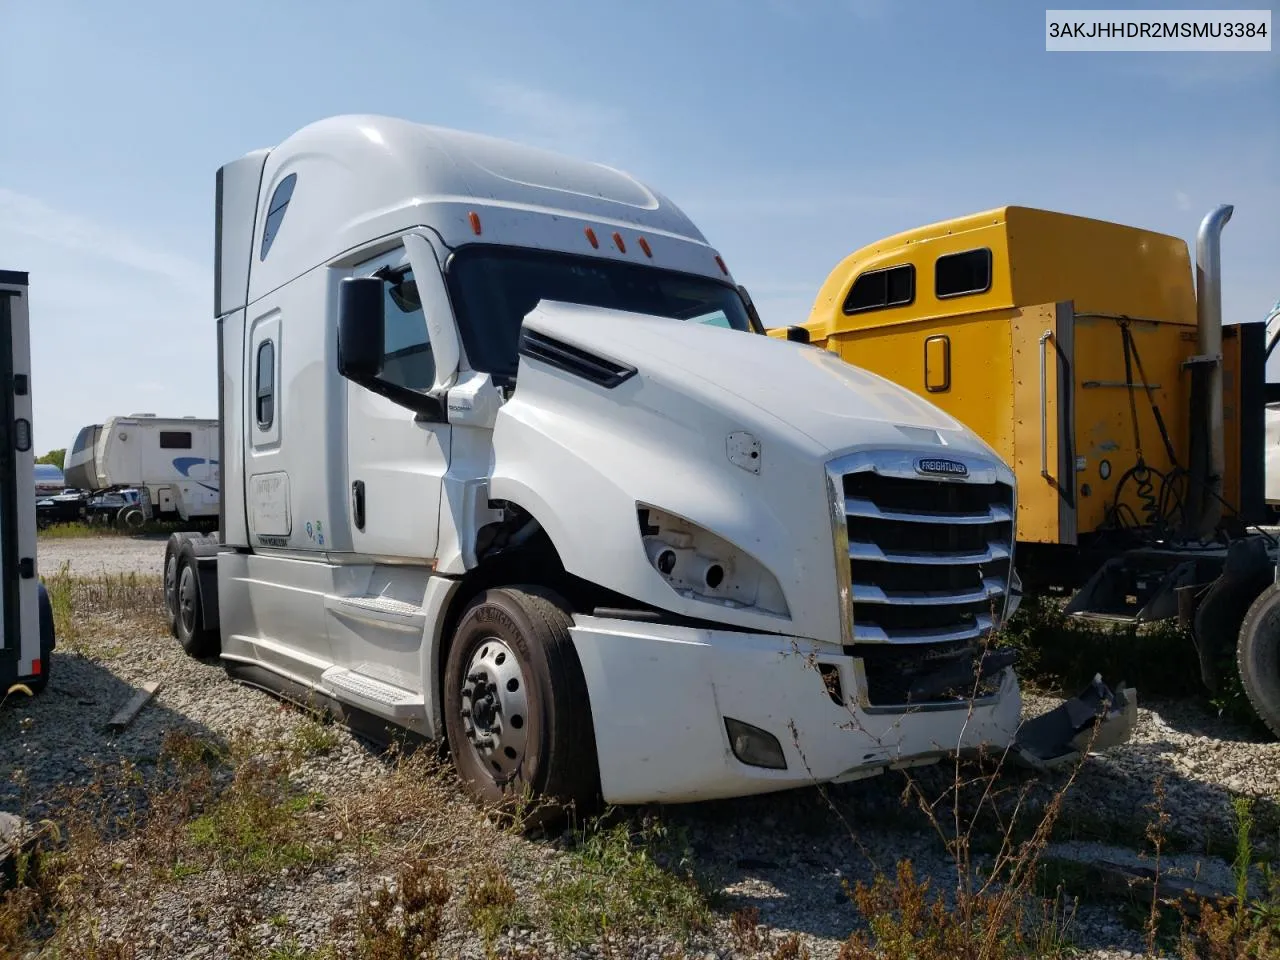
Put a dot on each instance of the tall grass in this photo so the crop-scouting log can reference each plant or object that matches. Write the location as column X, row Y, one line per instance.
column 82, row 605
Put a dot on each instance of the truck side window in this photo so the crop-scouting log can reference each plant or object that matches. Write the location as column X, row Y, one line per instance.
column 880, row 289
column 959, row 274
column 265, row 388
column 175, row 439
column 275, row 212
column 407, row 360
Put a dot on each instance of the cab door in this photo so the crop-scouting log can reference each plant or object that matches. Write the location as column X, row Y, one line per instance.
column 396, row 459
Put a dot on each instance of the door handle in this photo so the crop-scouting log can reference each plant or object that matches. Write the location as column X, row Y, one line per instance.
column 357, row 504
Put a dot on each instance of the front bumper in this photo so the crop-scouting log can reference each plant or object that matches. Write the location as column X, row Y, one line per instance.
column 660, row 695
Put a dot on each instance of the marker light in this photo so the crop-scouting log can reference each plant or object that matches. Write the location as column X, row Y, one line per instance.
column 617, row 241
column 644, row 245
column 591, row 235
column 720, row 263
column 475, row 222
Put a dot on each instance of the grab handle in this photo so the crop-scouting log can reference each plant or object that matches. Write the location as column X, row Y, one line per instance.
column 1044, row 406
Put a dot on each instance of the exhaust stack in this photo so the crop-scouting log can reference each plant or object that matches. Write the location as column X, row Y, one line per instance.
column 1209, row 335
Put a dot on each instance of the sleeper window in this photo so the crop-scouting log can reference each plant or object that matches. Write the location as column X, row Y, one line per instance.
column 175, row 439
column 959, row 274
column 880, row 289
column 275, row 212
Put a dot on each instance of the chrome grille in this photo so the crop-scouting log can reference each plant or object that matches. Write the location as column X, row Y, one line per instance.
column 929, row 562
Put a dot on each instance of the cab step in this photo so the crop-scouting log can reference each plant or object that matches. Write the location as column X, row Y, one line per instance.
column 375, row 696
column 382, row 611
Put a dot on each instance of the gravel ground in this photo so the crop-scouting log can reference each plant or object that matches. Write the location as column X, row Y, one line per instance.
column 94, row 556
column 785, row 855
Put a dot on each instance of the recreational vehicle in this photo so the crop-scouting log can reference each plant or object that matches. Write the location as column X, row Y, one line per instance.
column 174, row 459
column 509, row 461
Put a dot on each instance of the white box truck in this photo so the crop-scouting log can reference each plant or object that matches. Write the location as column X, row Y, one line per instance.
column 175, row 459
column 26, row 647
column 507, row 460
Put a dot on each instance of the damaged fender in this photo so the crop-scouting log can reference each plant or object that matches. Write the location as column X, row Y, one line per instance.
column 1065, row 733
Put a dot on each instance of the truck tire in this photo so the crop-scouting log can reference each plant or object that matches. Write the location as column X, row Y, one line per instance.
column 515, row 702
column 197, row 639
column 1258, row 657
column 47, row 641
column 171, row 551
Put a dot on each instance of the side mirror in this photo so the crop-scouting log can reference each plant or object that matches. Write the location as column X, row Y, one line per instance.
column 797, row 334
column 361, row 323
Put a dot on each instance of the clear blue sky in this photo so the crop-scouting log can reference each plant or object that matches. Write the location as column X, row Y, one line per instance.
column 791, row 132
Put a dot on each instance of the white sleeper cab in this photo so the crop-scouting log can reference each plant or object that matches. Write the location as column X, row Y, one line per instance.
column 507, row 460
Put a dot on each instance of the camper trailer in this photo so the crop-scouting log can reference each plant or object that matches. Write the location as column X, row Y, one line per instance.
column 174, row 459
column 26, row 616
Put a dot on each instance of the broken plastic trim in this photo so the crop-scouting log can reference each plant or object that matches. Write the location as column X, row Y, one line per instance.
column 1065, row 733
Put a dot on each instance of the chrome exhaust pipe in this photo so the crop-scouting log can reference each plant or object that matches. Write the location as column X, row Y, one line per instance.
column 1209, row 335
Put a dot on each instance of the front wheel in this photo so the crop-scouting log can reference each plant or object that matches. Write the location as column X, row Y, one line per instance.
column 515, row 703
column 1258, row 656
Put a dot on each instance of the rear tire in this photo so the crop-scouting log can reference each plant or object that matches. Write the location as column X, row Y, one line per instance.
column 47, row 642
column 516, row 712
column 1258, row 657
column 197, row 639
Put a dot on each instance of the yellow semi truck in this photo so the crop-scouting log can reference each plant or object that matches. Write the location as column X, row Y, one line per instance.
column 1087, row 356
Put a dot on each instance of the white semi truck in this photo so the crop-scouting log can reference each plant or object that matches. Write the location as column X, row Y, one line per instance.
column 26, row 616
column 175, row 459
column 507, row 460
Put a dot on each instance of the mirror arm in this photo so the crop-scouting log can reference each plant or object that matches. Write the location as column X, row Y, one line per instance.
column 428, row 408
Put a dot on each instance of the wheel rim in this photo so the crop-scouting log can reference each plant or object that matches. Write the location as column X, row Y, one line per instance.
column 171, row 588
column 187, row 601
column 495, row 708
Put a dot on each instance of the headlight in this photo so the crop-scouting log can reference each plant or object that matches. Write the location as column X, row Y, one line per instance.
column 701, row 566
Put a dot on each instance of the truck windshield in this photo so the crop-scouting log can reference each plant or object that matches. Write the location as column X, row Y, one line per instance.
column 494, row 288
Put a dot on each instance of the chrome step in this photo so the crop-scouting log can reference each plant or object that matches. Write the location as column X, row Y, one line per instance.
column 376, row 696
column 384, row 611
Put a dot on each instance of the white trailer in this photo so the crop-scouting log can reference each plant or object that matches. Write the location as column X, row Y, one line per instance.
column 175, row 459
column 26, row 646
column 510, row 462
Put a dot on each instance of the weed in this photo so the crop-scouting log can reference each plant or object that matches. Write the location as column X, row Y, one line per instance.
column 256, row 825
column 491, row 902
column 744, row 925
column 907, row 921
column 84, row 606
column 315, row 738
column 79, row 529
column 790, row 949
column 403, row 921
column 616, row 886
column 1242, row 927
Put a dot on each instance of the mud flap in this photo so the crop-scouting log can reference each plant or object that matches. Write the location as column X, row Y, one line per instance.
column 1065, row 733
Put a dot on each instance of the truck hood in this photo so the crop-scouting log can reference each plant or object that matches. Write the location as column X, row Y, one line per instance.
column 810, row 390
column 612, row 411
